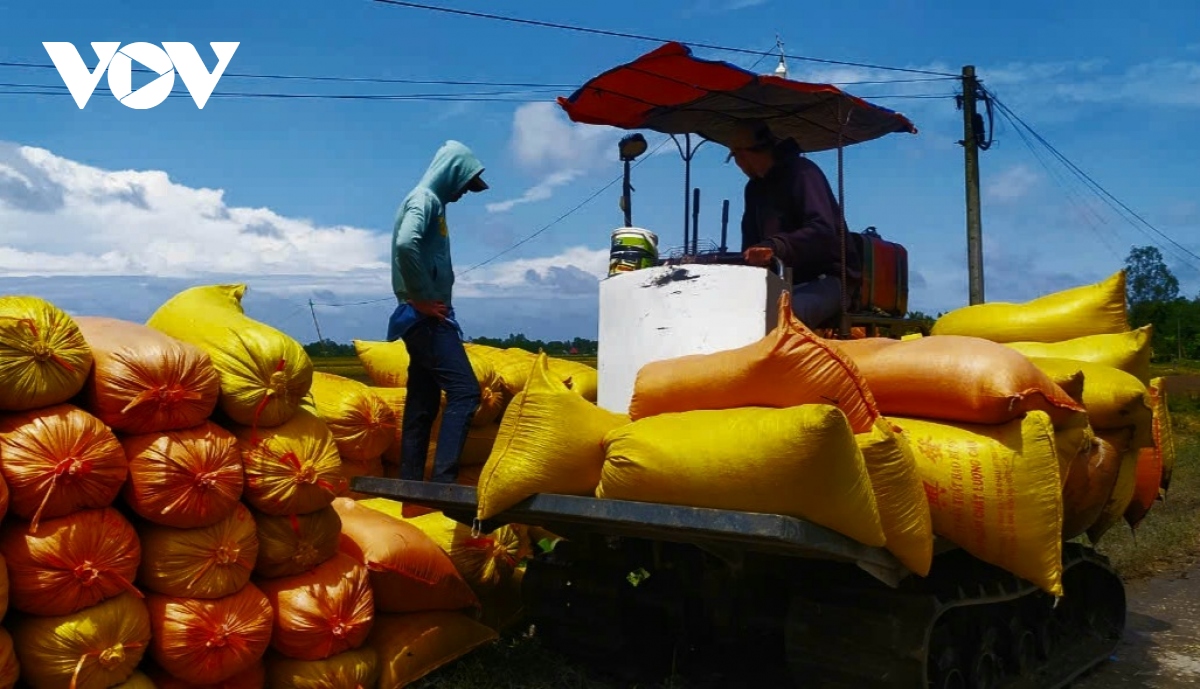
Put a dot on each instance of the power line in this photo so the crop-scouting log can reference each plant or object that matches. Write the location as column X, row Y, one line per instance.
column 564, row 216
column 479, row 97
column 1096, row 187
column 338, row 79
column 441, row 82
column 642, row 37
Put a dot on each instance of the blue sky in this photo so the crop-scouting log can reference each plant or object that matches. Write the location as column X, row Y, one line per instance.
column 110, row 210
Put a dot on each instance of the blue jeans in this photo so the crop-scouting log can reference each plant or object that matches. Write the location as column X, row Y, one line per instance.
column 437, row 363
column 817, row 302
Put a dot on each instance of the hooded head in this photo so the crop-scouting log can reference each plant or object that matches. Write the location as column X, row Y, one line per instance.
column 453, row 171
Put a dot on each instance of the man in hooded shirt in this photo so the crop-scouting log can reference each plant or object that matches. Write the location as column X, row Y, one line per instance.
column 791, row 214
column 423, row 278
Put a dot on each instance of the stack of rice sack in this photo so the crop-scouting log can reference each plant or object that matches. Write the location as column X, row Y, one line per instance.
column 296, row 596
column 1085, row 331
column 70, row 558
column 783, row 426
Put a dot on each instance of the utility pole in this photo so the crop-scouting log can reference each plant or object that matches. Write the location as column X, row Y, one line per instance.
column 320, row 339
column 970, row 145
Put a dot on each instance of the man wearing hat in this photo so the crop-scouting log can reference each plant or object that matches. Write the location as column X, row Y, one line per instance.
column 791, row 214
column 422, row 278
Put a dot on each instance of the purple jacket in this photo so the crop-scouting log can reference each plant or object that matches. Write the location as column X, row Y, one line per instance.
column 793, row 211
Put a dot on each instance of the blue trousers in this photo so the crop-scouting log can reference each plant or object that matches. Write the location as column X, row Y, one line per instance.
column 437, row 363
column 817, row 302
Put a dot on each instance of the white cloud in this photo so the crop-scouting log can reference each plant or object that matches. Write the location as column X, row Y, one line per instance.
column 1012, row 184
column 575, row 272
column 545, row 142
column 119, row 243
column 538, row 192
column 59, row 217
column 544, row 139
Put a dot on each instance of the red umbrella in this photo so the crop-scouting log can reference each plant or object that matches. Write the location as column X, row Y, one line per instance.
column 669, row 91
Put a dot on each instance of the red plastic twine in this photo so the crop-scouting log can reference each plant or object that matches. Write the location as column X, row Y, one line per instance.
column 69, row 467
column 34, row 329
column 262, row 404
column 174, row 395
column 108, row 657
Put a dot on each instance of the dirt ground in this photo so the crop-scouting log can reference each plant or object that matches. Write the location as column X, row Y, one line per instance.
column 1161, row 648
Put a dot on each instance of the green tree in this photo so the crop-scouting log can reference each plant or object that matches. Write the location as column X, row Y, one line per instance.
column 1147, row 277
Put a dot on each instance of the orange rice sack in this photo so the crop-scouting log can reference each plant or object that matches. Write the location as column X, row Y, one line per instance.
column 208, row 641
column 788, row 367
column 322, row 612
column 70, row 563
column 58, row 460
column 187, row 479
column 144, row 381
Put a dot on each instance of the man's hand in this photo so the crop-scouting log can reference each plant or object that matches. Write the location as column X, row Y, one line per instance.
column 433, row 309
column 759, row 256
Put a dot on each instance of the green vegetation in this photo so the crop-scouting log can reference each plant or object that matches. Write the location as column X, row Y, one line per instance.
column 578, row 347
column 1154, row 299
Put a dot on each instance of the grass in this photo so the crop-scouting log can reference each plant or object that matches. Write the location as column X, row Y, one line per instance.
column 1167, row 540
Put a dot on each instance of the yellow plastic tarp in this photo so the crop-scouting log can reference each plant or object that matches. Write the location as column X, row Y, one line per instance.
column 995, row 491
column 797, row 461
column 265, row 374
column 1076, row 312
column 549, row 442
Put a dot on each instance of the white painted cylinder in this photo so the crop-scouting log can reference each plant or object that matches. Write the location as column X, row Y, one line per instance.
column 670, row 311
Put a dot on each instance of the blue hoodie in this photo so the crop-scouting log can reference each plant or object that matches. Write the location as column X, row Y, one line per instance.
column 421, row 266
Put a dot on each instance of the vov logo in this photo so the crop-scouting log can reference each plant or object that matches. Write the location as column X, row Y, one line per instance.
column 118, row 62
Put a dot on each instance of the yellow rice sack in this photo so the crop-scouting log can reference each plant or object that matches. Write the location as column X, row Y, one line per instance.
column 354, row 669
column 1077, row 312
column 94, row 648
column 265, row 374
column 899, row 495
column 1164, row 432
column 413, row 645
column 484, row 561
column 386, row 364
column 581, row 378
column 1123, row 492
column 995, row 491
column 799, row 462
column 44, row 358
column 138, row 680
column 1113, row 398
column 293, row 468
column 549, row 442
column 10, row 668
column 1127, row 351
column 363, row 425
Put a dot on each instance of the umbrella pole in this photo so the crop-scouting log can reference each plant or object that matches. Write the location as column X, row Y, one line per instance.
column 844, row 330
